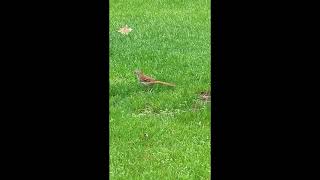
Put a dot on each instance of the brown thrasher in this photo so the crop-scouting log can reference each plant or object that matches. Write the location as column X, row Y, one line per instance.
column 145, row 80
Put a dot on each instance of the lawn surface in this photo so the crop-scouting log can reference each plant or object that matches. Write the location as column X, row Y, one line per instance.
column 160, row 132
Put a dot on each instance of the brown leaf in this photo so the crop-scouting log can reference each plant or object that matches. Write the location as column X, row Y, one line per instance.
column 125, row 30
column 205, row 96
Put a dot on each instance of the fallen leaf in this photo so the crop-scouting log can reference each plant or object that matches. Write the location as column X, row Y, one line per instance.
column 205, row 96
column 125, row 30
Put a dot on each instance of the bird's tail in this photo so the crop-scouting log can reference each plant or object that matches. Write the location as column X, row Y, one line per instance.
column 164, row 83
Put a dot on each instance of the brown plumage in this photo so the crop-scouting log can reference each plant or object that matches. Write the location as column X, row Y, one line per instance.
column 145, row 80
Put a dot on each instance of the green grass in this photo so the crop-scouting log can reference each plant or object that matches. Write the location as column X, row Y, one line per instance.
column 170, row 41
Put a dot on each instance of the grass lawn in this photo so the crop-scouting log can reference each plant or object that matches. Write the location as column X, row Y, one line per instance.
column 160, row 132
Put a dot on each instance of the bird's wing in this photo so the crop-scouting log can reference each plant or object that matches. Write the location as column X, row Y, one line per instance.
column 147, row 79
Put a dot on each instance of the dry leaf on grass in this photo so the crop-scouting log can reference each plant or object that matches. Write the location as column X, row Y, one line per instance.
column 125, row 30
column 205, row 96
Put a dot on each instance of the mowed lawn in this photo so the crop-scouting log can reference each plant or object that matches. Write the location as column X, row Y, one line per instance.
column 160, row 132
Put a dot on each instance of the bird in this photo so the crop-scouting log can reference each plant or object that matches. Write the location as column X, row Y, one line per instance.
column 145, row 80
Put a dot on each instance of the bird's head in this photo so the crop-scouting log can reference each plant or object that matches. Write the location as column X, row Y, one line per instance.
column 137, row 71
